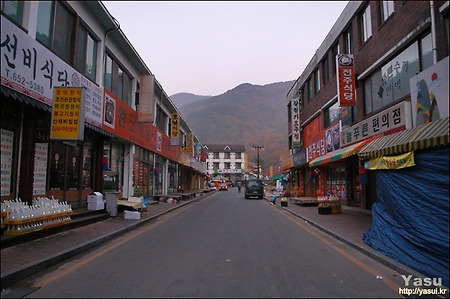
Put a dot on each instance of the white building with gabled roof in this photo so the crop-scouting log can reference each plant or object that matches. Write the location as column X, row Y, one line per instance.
column 226, row 161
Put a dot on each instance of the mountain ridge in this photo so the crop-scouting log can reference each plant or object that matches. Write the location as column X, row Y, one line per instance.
column 247, row 114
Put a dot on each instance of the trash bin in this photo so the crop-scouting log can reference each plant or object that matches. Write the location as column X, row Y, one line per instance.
column 111, row 202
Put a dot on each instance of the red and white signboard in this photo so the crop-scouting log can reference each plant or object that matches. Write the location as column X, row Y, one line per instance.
column 346, row 83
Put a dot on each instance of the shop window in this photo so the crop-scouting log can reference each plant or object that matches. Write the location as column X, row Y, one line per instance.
column 87, row 167
column 73, row 168
column 391, row 82
column 55, row 28
column 112, row 165
column 173, row 179
column 13, row 10
column 69, row 166
column 336, row 182
column 143, row 172
column 57, row 166
column 86, row 53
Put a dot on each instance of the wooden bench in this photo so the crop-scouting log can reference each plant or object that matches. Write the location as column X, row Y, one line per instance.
column 303, row 201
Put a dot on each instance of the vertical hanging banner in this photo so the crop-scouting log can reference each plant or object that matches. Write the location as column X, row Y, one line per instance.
column 295, row 112
column 190, row 143
column 68, row 113
column 346, row 83
column 175, row 129
column 7, row 145
column 146, row 100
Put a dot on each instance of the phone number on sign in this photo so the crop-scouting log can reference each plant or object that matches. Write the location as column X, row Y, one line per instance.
column 30, row 84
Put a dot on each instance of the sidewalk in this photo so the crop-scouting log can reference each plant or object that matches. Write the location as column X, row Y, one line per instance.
column 22, row 260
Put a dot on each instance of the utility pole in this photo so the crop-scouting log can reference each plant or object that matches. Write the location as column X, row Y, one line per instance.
column 257, row 147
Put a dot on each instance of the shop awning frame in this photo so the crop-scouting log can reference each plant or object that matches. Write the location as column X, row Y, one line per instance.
column 24, row 99
column 340, row 153
column 421, row 137
column 99, row 130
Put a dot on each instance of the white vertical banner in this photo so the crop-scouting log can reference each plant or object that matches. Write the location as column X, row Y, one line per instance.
column 40, row 168
column 6, row 160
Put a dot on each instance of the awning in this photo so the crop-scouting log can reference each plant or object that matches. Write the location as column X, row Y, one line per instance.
column 98, row 130
column 425, row 136
column 24, row 99
column 278, row 177
column 340, row 153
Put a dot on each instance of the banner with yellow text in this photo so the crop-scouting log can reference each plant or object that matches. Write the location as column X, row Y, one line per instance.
column 175, row 129
column 392, row 162
column 68, row 113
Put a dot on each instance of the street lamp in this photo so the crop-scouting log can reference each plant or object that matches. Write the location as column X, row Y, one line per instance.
column 257, row 147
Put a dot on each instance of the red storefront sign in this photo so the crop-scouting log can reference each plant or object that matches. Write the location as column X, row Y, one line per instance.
column 346, row 80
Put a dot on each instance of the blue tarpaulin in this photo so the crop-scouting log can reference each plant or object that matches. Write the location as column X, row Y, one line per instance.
column 411, row 215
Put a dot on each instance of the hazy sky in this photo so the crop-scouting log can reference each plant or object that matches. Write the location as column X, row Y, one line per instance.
column 208, row 48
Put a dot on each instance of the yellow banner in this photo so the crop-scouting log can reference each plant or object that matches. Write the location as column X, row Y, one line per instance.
column 68, row 113
column 175, row 131
column 394, row 162
column 190, row 142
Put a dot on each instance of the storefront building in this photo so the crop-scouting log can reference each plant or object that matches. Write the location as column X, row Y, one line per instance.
column 357, row 89
column 88, row 80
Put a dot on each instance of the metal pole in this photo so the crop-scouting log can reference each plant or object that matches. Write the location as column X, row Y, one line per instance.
column 257, row 148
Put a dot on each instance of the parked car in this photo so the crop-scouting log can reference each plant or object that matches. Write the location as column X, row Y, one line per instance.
column 212, row 186
column 223, row 186
column 254, row 188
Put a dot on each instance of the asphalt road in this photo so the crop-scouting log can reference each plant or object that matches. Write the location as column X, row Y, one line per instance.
column 220, row 246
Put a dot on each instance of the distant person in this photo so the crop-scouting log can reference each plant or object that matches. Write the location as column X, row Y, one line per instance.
column 273, row 199
column 239, row 187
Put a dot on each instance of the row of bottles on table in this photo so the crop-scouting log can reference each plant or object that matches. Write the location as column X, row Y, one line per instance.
column 19, row 218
